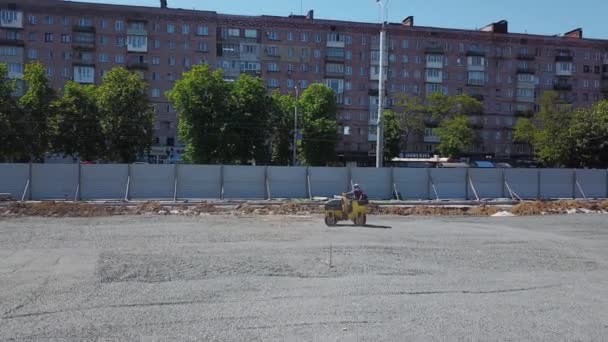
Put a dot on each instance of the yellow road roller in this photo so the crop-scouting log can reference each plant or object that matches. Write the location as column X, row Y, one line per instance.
column 345, row 209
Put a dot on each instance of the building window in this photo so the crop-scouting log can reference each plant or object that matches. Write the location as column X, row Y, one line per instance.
column 185, row 29
column 171, row 44
column 273, row 82
column 155, row 92
column 103, row 40
column 103, row 58
column 48, row 37
column 273, row 67
column 171, row 61
column 120, row 41
column 170, row 28
column 304, row 36
column 349, row 55
column 32, row 20
column 348, row 70
column 234, row 32
column 32, row 54
column 273, row 35
column 84, row 74
column 30, row 36
column 155, row 60
column 49, row 71
column 289, row 35
column 65, row 38
column 119, row 25
column 202, row 31
column 348, row 40
column 119, row 59
column 48, row 20
column 586, row 83
column 596, row 84
column 186, row 45
column 290, row 83
column 250, row 33
column 203, row 46
column 418, row 60
column 303, row 84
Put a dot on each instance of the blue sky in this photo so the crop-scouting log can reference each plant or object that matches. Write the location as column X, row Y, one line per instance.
column 531, row 16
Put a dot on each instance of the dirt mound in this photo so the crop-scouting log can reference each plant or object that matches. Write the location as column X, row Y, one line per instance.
column 483, row 210
column 149, row 207
column 63, row 209
column 206, row 208
column 298, row 209
column 557, row 207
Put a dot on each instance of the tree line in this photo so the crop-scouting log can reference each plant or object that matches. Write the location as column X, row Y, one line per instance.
column 113, row 121
column 565, row 136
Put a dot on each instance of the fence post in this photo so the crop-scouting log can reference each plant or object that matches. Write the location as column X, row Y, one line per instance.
column 78, row 196
column 391, row 184
column 309, row 187
column 503, row 182
column 349, row 178
column 266, row 183
column 574, row 183
column 128, row 182
column 175, row 182
column 466, row 184
column 31, row 182
column 222, row 182
column 538, row 187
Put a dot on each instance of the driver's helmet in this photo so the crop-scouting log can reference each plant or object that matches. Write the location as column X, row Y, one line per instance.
column 356, row 187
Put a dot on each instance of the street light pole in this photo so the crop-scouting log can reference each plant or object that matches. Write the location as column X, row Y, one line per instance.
column 295, row 129
column 380, row 129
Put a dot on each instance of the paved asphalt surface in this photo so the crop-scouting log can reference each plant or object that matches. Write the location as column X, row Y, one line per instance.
column 218, row 278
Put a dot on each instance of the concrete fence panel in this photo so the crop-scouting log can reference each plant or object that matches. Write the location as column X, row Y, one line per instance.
column 198, row 181
column 412, row 184
column 556, row 183
column 54, row 181
column 486, row 182
column 152, row 181
column 592, row 183
column 375, row 182
column 449, row 183
column 287, row 182
column 13, row 179
column 246, row 182
column 103, row 181
column 328, row 181
column 523, row 182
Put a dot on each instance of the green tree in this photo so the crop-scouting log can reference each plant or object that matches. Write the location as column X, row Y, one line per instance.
column 456, row 136
column 412, row 115
column 127, row 118
column 320, row 125
column 416, row 112
column 78, row 125
column 36, row 108
column 248, row 123
column 550, row 134
column 201, row 99
column 392, row 134
column 12, row 126
column 282, row 125
column 589, row 135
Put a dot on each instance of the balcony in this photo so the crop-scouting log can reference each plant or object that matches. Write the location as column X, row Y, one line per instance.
column 524, row 113
column 526, row 57
column 529, row 71
column 477, row 97
column 254, row 73
column 137, row 65
column 335, row 44
column 564, row 58
column 334, row 58
column 434, row 49
column 12, row 42
column 562, row 87
column 432, row 139
column 604, row 86
column 476, row 83
column 334, row 74
column 78, row 28
column 137, row 32
column 83, row 46
column 473, row 52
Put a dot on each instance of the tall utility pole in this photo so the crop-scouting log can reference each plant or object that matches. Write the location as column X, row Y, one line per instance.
column 295, row 128
column 379, row 135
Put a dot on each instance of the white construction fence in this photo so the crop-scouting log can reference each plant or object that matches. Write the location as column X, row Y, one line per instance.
column 192, row 182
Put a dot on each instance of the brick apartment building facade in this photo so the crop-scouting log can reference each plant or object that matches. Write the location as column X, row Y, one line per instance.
column 507, row 71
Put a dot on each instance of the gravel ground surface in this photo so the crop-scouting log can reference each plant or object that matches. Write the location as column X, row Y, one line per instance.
column 172, row 278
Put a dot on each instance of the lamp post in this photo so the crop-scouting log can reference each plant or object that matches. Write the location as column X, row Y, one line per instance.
column 380, row 129
column 295, row 127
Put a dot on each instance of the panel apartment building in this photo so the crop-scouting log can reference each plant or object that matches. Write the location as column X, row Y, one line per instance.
column 507, row 71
